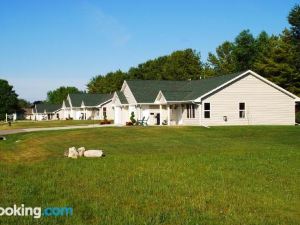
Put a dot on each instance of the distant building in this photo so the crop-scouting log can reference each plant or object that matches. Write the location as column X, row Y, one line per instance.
column 45, row 112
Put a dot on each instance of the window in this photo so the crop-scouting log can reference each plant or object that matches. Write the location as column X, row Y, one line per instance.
column 190, row 110
column 104, row 112
column 242, row 109
column 206, row 110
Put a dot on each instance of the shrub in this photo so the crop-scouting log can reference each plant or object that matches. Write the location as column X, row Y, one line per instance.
column 132, row 119
column 298, row 117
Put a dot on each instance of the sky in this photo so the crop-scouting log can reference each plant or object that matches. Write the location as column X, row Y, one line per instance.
column 45, row 44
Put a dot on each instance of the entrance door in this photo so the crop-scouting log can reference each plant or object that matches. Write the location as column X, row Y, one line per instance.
column 118, row 115
column 158, row 119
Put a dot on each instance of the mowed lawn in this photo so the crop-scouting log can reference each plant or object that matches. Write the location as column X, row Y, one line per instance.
column 156, row 175
column 51, row 123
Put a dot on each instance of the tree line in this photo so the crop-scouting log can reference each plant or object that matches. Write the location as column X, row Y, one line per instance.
column 275, row 57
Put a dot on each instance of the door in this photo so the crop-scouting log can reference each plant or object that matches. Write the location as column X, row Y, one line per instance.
column 118, row 115
column 158, row 119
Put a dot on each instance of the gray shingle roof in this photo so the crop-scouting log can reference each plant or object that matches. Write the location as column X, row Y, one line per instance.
column 89, row 99
column 145, row 91
column 48, row 108
column 67, row 103
column 122, row 97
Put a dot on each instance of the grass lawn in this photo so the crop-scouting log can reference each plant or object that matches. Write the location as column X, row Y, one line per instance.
column 156, row 175
column 51, row 123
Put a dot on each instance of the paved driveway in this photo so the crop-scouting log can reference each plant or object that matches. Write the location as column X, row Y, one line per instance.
column 15, row 131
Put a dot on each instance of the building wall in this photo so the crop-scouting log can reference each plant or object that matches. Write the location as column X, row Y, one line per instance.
column 129, row 96
column 264, row 104
column 190, row 121
column 125, row 115
column 109, row 111
column 150, row 112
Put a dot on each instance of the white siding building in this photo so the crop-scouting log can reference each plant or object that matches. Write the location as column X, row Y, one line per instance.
column 243, row 98
column 85, row 106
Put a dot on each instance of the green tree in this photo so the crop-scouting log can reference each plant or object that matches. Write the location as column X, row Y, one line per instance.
column 150, row 70
column 294, row 20
column 8, row 99
column 58, row 95
column 22, row 103
column 224, row 61
column 107, row 84
column 182, row 65
column 276, row 63
column 244, row 51
column 179, row 65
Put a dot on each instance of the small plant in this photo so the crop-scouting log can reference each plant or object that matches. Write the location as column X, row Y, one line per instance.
column 132, row 119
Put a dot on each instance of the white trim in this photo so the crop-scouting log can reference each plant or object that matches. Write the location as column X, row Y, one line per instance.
column 70, row 102
column 123, row 85
column 57, row 110
column 63, row 105
column 160, row 98
column 122, row 90
column 199, row 99
column 104, row 103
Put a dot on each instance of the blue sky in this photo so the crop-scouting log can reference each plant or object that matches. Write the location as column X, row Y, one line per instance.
column 49, row 43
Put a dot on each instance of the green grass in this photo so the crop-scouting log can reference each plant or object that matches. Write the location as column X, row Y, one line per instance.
column 156, row 175
column 51, row 123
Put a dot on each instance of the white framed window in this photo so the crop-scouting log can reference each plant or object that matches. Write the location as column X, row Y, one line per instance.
column 190, row 111
column 207, row 110
column 242, row 110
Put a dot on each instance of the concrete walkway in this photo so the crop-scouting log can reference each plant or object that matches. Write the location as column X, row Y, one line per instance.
column 15, row 131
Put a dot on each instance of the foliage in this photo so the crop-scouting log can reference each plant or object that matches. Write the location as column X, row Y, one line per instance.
column 224, row 61
column 58, row 95
column 294, row 20
column 8, row 99
column 158, row 175
column 277, row 65
column 274, row 57
column 107, row 84
column 179, row 65
column 22, row 103
column 132, row 119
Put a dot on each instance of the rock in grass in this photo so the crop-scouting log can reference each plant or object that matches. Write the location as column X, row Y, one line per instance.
column 2, row 138
column 73, row 153
column 81, row 151
column 93, row 153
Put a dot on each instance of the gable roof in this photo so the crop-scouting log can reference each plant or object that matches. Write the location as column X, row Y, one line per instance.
column 145, row 91
column 48, row 108
column 89, row 99
column 122, row 97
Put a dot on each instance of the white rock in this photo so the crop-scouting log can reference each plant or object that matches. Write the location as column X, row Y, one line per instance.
column 93, row 153
column 80, row 151
column 73, row 153
column 66, row 153
column 73, row 156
